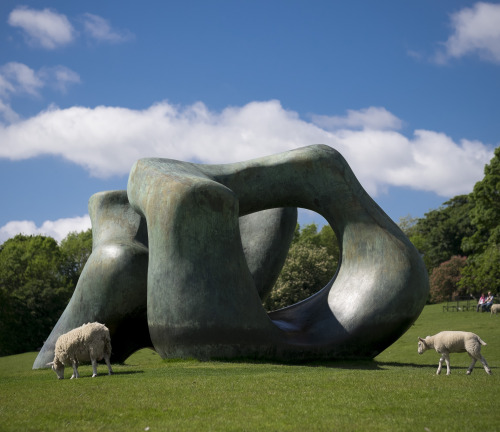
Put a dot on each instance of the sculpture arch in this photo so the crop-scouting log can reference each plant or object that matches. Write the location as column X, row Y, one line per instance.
column 204, row 307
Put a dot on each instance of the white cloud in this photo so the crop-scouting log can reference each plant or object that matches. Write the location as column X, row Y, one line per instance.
column 369, row 118
column 44, row 28
column 59, row 77
column 440, row 165
column 50, row 30
column 18, row 79
column 8, row 113
column 108, row 140
column 58, row 229
column 100, row 29
column 476, row 30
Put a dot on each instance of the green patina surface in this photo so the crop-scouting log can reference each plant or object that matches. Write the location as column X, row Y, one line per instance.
column 191, row 284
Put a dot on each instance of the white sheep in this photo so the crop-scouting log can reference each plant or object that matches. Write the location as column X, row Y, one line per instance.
column 448, row 342
column 90, row 342
column 495, row 309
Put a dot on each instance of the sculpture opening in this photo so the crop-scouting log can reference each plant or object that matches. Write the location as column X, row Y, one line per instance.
column 311, row 263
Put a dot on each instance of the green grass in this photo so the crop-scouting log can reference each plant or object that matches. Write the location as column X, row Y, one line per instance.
column 398, row 391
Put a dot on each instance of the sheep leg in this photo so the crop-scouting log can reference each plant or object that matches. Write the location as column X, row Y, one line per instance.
column 440, row 365
column 447, row 360
column 94, row 367
column 74, row 363
column 106, row 359
column 473, row 362
column 485, row 365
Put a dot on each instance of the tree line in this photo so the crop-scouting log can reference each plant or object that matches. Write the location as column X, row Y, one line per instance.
column 460, row 241
column 37, row 278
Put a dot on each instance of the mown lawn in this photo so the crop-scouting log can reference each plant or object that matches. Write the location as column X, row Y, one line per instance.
column 397, row 391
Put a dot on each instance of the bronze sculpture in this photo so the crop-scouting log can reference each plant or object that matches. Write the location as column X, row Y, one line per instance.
column 203, row 292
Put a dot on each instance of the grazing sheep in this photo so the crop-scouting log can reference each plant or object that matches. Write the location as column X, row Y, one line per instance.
column 448, row 342
column 495, row 309
column 90, row 342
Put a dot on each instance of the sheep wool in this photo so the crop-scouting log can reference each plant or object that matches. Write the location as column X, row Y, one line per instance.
column 495, row 309
column 448, row 342
column 90, row 342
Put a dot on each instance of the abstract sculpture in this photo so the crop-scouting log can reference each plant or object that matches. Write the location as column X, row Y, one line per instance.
column 193, row 288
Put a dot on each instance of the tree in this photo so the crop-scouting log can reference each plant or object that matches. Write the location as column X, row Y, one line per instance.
column 33, row 291
column 306, row 270
column 328, row 240
column 438, row 236
column 444, row 279
column 75, row 251
column 407, row 224
column 37, row 279
column 310, row 264
column 482, row 271
column 485, row 215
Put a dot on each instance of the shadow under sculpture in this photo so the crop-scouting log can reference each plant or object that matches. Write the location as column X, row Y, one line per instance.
column 201, row 297
column 112, row 288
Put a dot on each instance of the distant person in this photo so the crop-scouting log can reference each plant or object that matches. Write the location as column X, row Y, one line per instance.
column 488, row 302
column 480, row 302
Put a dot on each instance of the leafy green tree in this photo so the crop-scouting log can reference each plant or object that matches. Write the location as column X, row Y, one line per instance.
column 308, row 235
column 306, row 270
column 444, row 279
column 75, row 251
column 311, row 262
column 482, row 272
column 33, row 289
column 407, row 224
column 485, row 215
column 438, row 236
column 328, row 240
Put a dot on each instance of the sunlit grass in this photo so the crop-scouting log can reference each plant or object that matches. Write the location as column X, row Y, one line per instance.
column 397, row 391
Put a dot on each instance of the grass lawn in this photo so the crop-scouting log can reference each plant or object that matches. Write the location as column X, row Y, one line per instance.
column 397, row 391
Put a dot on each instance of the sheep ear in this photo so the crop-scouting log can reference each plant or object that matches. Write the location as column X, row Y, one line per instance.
column 421, row 340
column 49, row 364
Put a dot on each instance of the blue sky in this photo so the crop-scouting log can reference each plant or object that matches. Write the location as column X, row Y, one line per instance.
column 408, row 92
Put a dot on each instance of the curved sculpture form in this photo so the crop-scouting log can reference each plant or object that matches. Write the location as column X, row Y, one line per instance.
column 201, row 297
column 112, row 288
column 266, row 237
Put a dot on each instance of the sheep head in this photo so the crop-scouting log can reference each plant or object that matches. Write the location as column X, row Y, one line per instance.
column 422, row 345
column 57, row 367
